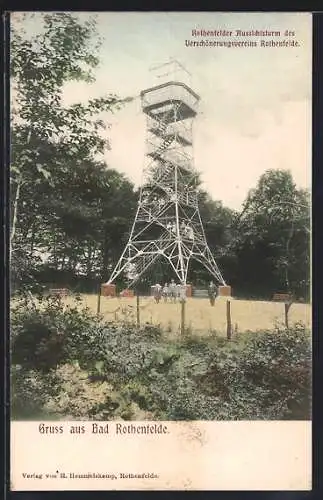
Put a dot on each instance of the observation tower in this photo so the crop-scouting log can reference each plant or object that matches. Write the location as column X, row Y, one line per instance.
column 168, row 225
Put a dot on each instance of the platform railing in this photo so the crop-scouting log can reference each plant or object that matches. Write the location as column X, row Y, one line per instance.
column 170, row 92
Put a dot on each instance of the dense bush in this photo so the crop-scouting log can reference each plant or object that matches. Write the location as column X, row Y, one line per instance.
column 259, row 375
column 30, row 391
column 276, row 368
column 266, row 376
column 46, row 333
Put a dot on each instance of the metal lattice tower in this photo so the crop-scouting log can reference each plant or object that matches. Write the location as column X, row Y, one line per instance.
column 167, row 224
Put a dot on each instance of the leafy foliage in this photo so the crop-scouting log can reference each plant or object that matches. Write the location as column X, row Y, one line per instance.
column 73, row 223
column 261, row 375
column 276, row 366
column 30, row 390
column 43, row 332
column 272, row 238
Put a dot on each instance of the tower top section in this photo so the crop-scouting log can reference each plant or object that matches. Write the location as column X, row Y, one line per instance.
column 170, row 91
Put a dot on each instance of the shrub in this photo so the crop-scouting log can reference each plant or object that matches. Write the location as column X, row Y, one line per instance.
column 276, row 368
column 30, row 390
column 46, row 333
column 260, row 375
column 265, row 376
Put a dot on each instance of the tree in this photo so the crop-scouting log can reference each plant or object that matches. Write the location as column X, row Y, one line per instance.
column 273, row 242
column 220, row 232
column 55, row 146
column 88, row 216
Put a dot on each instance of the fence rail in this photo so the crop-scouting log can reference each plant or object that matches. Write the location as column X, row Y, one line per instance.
column 61, row 292
column 282, row 297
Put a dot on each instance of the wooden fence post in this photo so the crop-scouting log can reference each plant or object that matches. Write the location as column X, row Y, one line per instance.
column 182, row 317
column 98, row 309
column 138, row 310
column 287, row 307
column 229, row 326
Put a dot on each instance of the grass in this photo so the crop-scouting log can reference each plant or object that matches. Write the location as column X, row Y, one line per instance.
column 200, row 317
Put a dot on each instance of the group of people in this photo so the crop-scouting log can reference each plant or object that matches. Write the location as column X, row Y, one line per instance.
column 171, row 292
column 176, row 292
column 185, row 229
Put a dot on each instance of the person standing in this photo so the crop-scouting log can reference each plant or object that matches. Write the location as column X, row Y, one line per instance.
column 173, row 291
column 165, row 292
column 212, row 292
column 157, row 293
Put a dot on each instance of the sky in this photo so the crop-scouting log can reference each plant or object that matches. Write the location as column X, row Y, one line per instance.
column 255, row 102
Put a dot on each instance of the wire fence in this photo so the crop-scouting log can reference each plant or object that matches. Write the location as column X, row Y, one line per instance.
column 227, row 317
